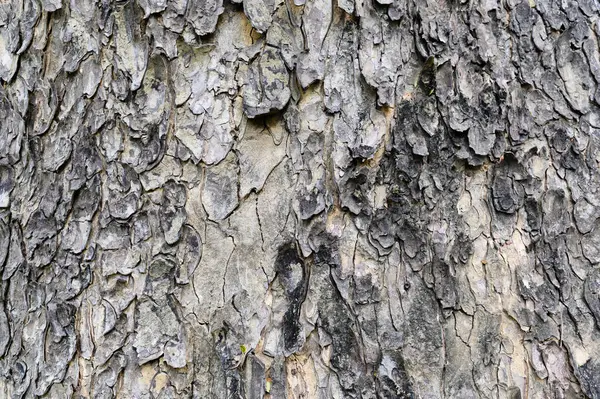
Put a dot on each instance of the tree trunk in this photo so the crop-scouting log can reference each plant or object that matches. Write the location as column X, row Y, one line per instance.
column 299, row 199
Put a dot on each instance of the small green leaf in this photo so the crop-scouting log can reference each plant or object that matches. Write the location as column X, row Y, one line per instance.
column 268, row 385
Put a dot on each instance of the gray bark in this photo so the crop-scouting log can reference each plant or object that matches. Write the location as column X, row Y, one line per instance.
column 299, row 199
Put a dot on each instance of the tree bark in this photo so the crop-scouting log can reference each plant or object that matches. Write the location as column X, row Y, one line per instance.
column 299, row 199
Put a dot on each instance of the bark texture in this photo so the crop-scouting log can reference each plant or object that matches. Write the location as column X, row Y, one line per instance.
column 299, row 199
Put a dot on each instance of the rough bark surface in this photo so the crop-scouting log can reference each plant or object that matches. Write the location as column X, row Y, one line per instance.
column 299, row 199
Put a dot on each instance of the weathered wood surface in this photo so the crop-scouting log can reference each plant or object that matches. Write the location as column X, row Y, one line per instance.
column 299, row 198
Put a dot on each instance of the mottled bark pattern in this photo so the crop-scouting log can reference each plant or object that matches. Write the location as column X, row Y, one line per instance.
column 299, row 199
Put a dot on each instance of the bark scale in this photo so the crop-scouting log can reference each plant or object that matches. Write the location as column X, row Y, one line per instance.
column 299, row 199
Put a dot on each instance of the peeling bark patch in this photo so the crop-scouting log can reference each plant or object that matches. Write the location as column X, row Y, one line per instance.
column 299, row 199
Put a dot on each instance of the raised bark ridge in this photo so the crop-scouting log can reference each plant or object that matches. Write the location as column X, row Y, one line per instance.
column 299, row 199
